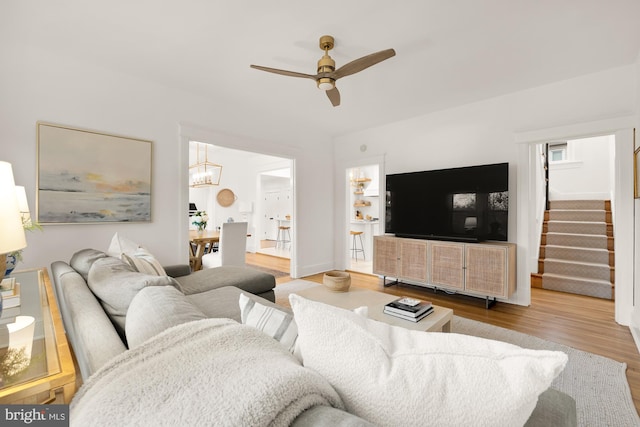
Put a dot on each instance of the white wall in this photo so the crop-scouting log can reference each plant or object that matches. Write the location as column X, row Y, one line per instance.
column 37, row 85
column 484, row 132
column 586, row 174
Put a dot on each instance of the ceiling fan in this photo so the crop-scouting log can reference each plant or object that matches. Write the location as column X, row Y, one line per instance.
column 327, row 73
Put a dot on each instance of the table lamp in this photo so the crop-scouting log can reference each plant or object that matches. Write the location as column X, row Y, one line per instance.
column 12, row 236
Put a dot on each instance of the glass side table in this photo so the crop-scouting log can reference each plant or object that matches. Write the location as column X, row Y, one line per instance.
column 35, row 359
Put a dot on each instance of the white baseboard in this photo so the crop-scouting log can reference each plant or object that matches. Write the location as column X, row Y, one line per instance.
column 634, row 326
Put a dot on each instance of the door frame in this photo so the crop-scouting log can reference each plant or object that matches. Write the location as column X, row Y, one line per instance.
column 190, row 132
column 342, row 249
column 622, row 128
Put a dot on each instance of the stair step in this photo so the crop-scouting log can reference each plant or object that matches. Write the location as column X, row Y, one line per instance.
column 576, row 240
column 589, row 287
column 568, row 253
column 584, row 270
column 579, row 227
column 580, row 204
column 578, row 215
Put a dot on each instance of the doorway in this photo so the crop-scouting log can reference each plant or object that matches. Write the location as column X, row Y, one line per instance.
column 576, row 251
column 247, row 176
column 527, row 212
column 275, row 213
column 363, row 216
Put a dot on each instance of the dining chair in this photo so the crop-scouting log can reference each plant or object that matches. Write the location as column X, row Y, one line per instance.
column 232, row 248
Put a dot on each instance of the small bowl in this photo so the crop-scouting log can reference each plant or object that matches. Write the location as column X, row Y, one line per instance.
column 337, row 281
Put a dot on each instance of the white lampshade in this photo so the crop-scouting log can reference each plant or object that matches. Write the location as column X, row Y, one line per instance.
column 12, row 236
column 23, row 205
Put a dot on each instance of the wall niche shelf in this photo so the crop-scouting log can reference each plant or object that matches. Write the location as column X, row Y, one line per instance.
column 359, row 184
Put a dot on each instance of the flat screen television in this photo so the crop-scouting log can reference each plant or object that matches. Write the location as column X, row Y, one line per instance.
column 461, row 204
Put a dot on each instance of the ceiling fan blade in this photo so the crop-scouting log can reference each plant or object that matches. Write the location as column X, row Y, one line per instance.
column 360, row 64
column 334, row 96
column 283, row 72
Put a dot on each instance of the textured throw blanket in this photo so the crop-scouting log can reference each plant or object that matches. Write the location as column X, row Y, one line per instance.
column 208, row 372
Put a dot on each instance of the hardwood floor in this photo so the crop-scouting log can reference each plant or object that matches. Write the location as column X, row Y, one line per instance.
column 581, row 322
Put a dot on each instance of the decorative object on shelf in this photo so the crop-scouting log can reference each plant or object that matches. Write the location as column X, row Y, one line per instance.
column 200, row 219
column 204, row 173
column 358, row 181
column 225, row 197
column 360, row 202
column 337, row 281
column 12, row 236
column 18, row 355
column 91, row 177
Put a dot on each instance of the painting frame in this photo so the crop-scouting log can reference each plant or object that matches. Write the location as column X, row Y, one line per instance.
column 91, row 177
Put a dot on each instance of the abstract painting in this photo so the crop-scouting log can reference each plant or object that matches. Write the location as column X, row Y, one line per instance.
column 92, row 177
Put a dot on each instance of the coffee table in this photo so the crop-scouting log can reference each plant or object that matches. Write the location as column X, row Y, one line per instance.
column 439, row 320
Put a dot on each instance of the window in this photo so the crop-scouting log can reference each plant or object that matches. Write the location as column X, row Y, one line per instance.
column 558, row 152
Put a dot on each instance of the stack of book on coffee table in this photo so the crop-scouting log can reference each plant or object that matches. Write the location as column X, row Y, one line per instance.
column 409, row 309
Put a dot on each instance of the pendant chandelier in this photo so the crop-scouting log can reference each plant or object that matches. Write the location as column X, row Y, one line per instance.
column 204, row 173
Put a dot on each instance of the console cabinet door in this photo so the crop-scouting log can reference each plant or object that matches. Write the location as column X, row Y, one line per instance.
column 489, row 270
column 385, row 256
column 413, row 260
column 447, row 264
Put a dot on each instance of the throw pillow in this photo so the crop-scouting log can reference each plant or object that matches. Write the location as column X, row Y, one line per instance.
column 82, row 261
column 142, row 261
column 273, row 322
column 394, row 376
column 115, row 284
column 156, row 308
column 120, row 245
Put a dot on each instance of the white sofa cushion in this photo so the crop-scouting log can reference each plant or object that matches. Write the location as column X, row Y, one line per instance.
column 394, row 376
column 142, row 261
column 82, row 261
column 120, row 245
column 115, row 284
column 273, row 322
column 155, row 309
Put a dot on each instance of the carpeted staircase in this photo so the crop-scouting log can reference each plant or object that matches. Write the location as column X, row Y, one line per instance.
column 576, row 250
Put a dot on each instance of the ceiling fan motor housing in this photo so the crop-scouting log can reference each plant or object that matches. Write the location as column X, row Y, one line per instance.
column 326, row 65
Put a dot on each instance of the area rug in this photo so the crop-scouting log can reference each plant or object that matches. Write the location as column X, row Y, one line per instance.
column 598, row 384
column 283, row 290
column 275, row 273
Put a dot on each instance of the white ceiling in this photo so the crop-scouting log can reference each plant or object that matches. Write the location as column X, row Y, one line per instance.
column 449, row 52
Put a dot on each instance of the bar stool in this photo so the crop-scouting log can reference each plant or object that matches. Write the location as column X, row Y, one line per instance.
column 281, row 236
column 354, row 245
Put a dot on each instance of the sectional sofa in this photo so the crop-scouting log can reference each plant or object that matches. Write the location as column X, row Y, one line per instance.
column 178, row 348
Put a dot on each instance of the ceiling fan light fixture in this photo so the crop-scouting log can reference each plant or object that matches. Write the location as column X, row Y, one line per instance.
column 326, row 83
column 327, row 74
